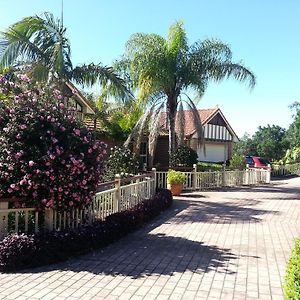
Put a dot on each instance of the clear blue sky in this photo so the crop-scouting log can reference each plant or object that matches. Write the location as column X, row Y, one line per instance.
column 264, row 34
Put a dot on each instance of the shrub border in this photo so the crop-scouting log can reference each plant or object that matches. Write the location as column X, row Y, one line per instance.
column 292, row 277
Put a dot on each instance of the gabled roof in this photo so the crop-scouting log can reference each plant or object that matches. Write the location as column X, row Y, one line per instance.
column 81, row 99
column 206, row 115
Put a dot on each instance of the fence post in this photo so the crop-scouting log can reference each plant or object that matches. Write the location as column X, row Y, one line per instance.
column 195, row 177
column 155, row 180
column 223, row 177
column 3, row 219
column 118, row 192
column 268, row 177
column 49, row 214
column 247, row 175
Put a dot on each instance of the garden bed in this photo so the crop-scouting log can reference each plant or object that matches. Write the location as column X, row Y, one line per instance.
column 19, row 251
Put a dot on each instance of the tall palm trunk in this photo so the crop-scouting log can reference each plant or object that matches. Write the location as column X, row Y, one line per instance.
column 171, row 113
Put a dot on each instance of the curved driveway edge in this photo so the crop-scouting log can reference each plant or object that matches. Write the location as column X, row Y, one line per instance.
column 227, row 244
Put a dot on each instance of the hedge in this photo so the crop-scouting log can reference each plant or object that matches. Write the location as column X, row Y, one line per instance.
column 19, row 251
column 292, row 277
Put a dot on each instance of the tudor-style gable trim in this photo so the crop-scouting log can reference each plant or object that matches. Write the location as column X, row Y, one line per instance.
column 87, row 108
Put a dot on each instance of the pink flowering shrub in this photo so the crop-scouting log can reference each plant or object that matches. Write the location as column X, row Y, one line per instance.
column 47, row 157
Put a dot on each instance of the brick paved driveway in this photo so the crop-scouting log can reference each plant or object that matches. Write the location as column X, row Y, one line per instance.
column 230, row 244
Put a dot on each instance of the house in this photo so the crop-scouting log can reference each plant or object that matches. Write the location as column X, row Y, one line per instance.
column 78, row 101
column 218, row 134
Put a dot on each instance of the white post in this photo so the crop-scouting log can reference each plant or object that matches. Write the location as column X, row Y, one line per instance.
column 155, row 179
column 118, row 192
column 3, row 219
column 247, row 174
column 268, row 177
column 49, row 214
column 195, row 177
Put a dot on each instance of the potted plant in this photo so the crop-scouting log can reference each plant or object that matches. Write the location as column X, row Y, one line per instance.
column 175, row 180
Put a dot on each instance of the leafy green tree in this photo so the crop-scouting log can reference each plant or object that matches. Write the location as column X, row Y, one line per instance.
column 293, row 132
column 39, row 46
column 245, row 146
column 164, row 69
column 270, row 142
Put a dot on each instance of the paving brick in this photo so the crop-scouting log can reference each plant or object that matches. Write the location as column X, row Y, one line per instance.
column 226, row 244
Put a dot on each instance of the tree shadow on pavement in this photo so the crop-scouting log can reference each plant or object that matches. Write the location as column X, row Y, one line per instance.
column 223, row 212
column 153, row 254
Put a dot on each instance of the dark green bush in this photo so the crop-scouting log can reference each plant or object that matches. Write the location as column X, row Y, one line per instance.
column 184, row 156
column 292, row 277
column 121, row 161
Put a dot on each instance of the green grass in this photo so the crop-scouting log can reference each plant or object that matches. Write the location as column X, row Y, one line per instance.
column 292, row 277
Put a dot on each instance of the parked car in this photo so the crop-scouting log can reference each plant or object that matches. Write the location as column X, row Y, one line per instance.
column 257, row 162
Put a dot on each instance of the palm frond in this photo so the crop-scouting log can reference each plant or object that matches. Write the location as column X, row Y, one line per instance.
column 88, row 75
column 197, row 123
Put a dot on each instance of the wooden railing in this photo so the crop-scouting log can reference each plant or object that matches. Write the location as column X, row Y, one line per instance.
column 114, row 196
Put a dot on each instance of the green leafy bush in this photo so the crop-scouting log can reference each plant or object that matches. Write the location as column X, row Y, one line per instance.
column 174, row 177
column 184, row 156
column 121, row 161
column 204, row 167
column 292, row 278
column 237, row 162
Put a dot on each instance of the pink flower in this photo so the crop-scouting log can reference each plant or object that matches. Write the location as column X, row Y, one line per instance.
column 31, row 163
column 18, row 155
column 77, row 132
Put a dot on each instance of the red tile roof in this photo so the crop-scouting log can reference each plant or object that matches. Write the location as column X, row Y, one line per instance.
column 205, row 115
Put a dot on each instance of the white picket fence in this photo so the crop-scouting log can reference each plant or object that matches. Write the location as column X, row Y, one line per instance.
column 210, row 180
column 125, row 194
column 116, row 196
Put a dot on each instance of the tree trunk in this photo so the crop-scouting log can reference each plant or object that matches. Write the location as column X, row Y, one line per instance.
column 171, row 113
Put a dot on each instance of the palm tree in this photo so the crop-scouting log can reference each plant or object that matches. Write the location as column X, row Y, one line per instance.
column 39, row 46
column 164, row 69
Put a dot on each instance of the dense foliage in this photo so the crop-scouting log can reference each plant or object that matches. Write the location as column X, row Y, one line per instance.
column 176, row 177
column 268, row 142
column 237, row 162
column 47, row 158
column 21, row 251
column 292, row 278
column 184, row 156
column 121, row 161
